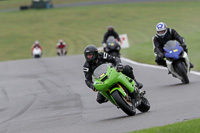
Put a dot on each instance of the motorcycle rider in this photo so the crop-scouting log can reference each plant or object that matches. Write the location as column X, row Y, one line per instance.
column 36, row 44
column 162, row 36
column 95, row 59
column 61, row 45
column 110, row 32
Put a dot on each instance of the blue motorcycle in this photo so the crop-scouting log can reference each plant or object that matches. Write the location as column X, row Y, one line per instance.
column 177, row 61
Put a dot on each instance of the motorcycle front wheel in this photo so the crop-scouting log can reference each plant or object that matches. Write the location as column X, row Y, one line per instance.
column 181, row 70
column 123, row 104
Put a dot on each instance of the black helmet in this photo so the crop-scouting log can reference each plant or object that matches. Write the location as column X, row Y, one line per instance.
column 91, row 53
column 110, row 28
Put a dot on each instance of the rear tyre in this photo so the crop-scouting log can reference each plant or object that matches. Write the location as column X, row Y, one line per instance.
column 144, row 106
column 129, row 110
column 181, row 70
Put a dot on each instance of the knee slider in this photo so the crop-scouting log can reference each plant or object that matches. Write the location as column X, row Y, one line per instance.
column 100, row 101
column 128, row 69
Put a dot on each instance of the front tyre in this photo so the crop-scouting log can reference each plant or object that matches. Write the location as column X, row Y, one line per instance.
column 144, row 105
column 123, row 104
column 181, row 70
column 37, row 56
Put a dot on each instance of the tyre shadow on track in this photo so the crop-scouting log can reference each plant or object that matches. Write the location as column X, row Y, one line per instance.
column 173, row 86
column 192, row 85
column 123, row 117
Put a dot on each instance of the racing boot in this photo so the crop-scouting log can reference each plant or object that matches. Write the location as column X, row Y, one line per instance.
column 138, row 84
column 186, row 50
column 191, row 65
column 101, row 99
column 169, row 72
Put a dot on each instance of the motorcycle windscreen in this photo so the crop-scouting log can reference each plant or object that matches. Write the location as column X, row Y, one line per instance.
column 111, row 39
column 172, row 49
column 100, row 71
column 37, row 51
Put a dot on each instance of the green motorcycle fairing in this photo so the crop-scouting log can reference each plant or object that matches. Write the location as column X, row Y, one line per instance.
column 107, row 80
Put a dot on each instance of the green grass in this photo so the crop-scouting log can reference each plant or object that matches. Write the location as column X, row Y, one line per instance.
column 81, row 26
column 7, row 4
column 191, row 126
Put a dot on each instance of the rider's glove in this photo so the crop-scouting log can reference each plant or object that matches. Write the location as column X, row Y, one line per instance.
column 106, row 50
column 120, row 67
column 104, row 45
column 118, row 48
column 94, row 89
column 184, row 46
column 161, row 55
column 119, row 43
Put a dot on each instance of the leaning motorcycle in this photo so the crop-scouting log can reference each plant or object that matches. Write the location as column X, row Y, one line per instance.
column 119, row 90
column 37, row 52
column 177, row 61
column 112, row 47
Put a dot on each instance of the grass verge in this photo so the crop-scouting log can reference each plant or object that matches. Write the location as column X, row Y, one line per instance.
column 81, row 26
column 191, row 126
column 8, row 4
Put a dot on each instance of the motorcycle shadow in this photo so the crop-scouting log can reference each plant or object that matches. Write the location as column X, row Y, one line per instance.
column 123, row 117
column 172, row 86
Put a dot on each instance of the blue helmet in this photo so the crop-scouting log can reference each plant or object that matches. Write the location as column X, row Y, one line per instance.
column 161, row 29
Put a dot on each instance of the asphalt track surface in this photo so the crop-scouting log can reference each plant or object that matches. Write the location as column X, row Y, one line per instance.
column 49, row 95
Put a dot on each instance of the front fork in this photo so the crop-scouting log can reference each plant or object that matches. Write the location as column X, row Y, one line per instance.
column 133, row 98
column 124, row 94
column 127, row 98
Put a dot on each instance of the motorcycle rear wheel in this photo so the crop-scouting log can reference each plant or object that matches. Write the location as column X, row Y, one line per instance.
column 144, row 105
column 129, row 110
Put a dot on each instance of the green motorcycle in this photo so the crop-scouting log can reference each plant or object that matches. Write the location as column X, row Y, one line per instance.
column 118, row 89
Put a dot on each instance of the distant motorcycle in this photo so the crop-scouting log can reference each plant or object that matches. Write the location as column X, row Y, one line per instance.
column 118, row 89
column 61, row 52
column 61, row 49
column 37, row 52
column 177, row 61
column 112, row 47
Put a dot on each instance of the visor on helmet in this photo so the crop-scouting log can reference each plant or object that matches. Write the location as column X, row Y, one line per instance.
column 90, row 55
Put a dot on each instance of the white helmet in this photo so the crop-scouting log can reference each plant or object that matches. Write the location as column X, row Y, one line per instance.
column 161, row 27
column 60, row 41
column 36, row 42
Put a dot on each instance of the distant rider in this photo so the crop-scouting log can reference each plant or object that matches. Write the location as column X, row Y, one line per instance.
column 162, row 36
column 36, row 44
column 95, row 59
column 61, row 45
column 110, row 32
